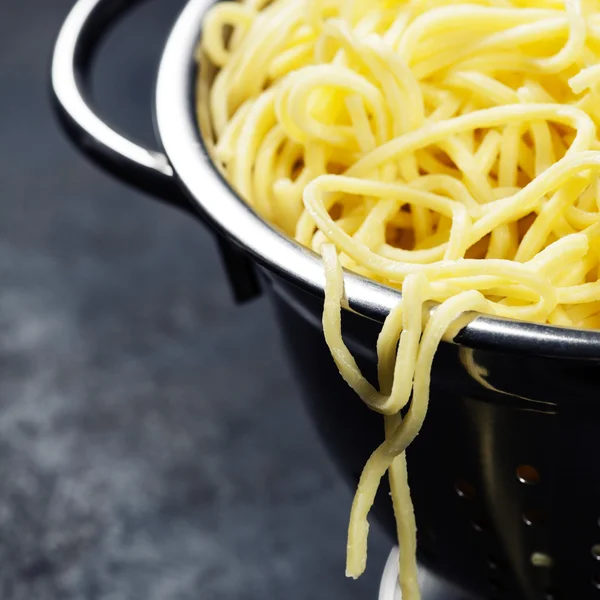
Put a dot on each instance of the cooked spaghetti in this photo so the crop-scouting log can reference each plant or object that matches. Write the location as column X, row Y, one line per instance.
column 447, row 149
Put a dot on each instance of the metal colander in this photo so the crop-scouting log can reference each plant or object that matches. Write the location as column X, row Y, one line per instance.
column 504, row 483
column 504, row 477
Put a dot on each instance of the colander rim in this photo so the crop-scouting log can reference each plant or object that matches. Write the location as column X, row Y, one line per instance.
column 230, row 216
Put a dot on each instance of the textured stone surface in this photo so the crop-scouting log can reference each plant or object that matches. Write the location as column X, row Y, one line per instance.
column 149, row 447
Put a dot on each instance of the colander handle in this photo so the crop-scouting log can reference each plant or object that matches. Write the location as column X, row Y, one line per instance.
column 148, row 170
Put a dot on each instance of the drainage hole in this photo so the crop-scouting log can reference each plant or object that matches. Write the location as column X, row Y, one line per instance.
column 494, row 563
column 479, row 525
column 528, row 475
column 464, row 489
column 533, row 517
column 542, row 560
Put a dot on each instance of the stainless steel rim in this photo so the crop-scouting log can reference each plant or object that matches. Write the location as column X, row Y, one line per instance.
column 179, row 134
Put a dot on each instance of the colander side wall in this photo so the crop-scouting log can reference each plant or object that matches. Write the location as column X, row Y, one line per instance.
column 502, row 474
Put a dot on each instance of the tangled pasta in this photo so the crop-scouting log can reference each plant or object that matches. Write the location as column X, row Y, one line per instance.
column 445, row 148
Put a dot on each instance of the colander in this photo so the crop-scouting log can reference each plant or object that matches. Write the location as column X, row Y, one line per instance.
column 504, row 477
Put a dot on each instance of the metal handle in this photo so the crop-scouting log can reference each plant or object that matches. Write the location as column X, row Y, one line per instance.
column 148, row 170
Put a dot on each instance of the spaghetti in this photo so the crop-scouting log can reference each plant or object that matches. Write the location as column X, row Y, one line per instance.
column 448, row 149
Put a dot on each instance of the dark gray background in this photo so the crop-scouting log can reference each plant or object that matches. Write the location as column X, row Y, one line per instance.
column 153, row 445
